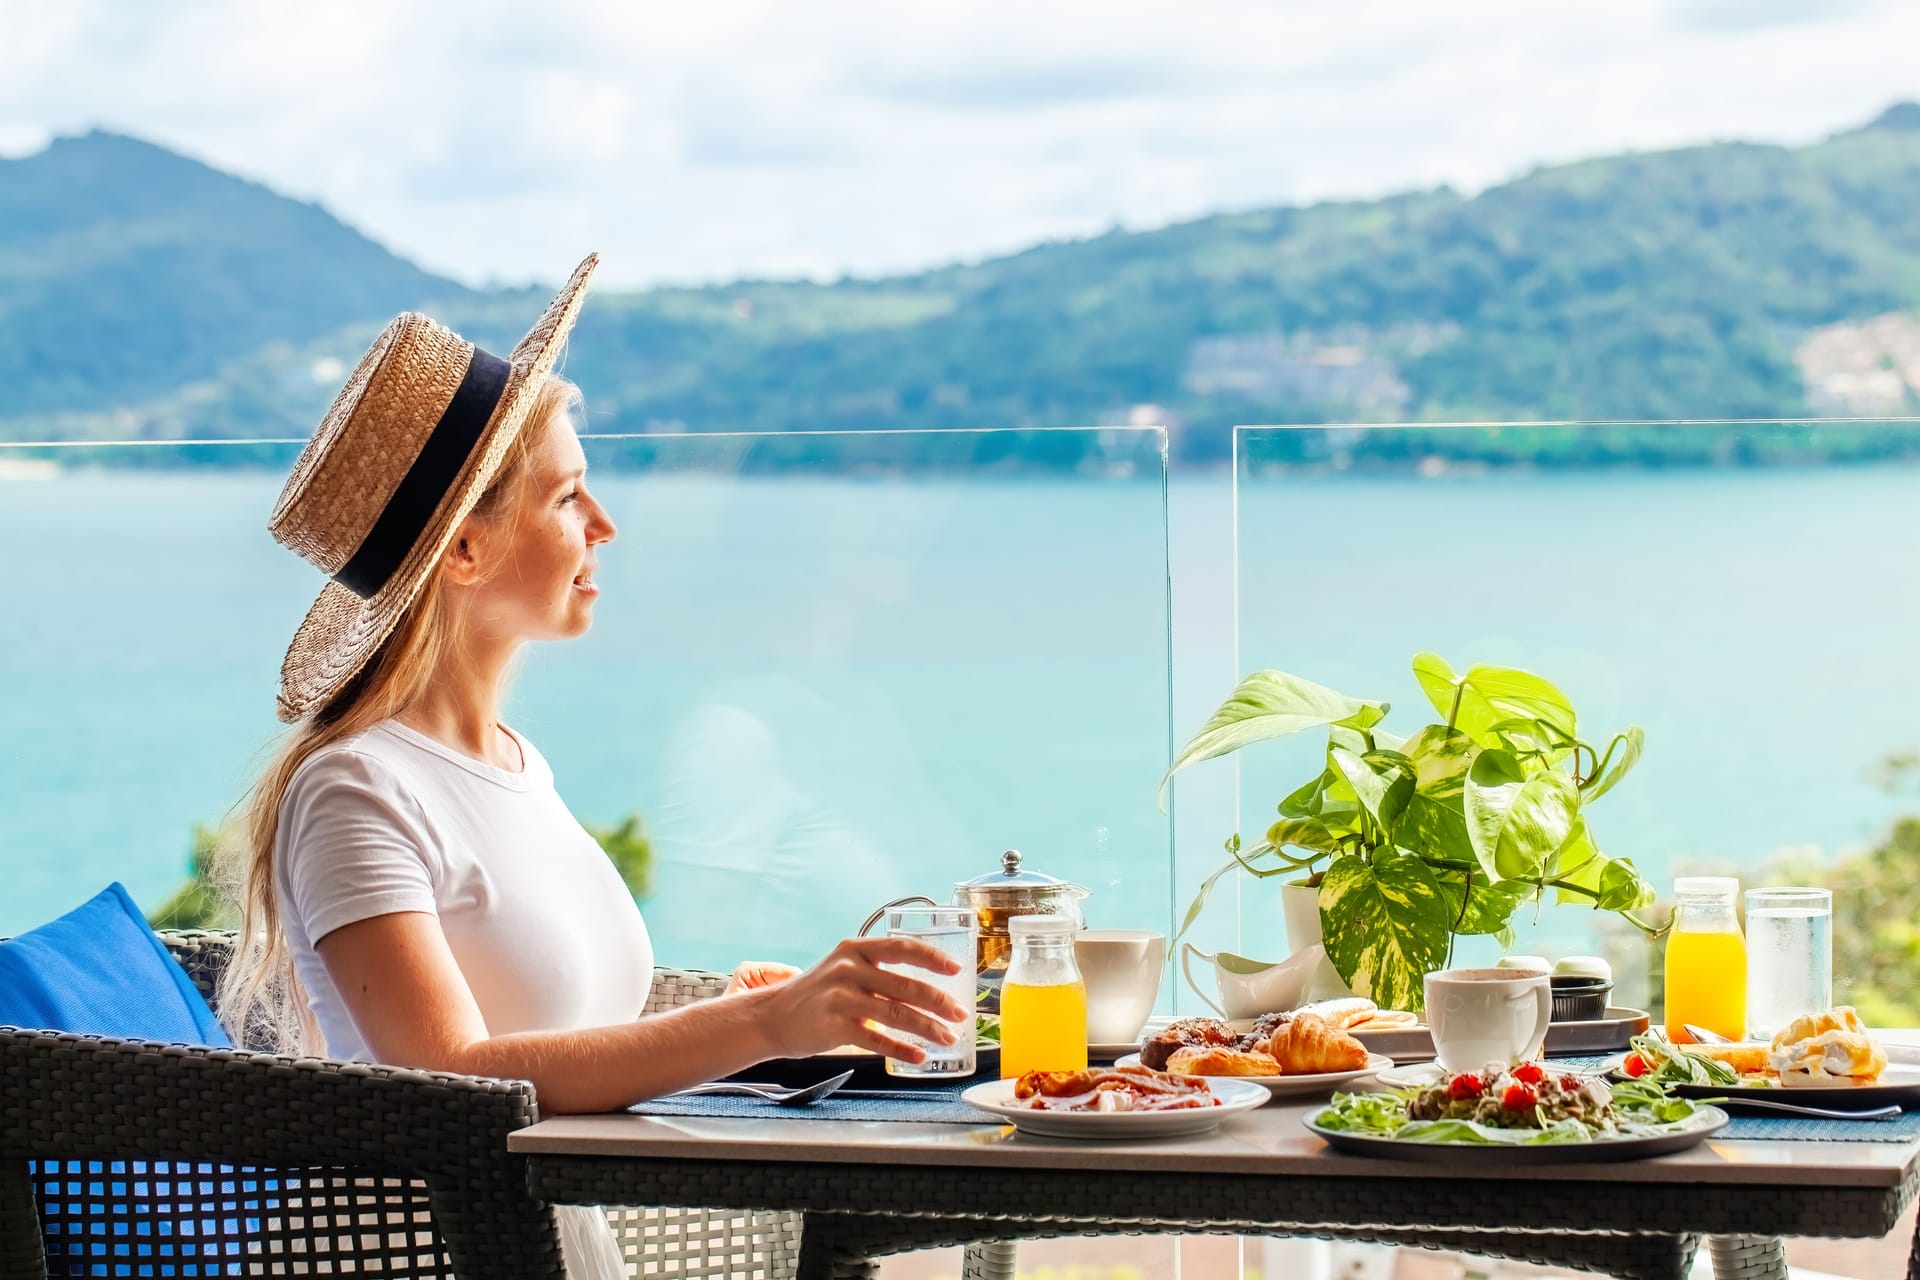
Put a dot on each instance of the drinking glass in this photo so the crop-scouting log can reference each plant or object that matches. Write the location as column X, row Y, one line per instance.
column 951, row 930
column 1789, row 956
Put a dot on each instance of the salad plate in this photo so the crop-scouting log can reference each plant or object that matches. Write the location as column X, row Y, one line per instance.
column 995, row 1097
column 1899, row 1083
column 1298, row 1086
column 1523, row 1115
column 1705, row 1122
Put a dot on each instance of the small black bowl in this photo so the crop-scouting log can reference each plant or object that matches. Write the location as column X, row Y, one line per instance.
column 1580, row 999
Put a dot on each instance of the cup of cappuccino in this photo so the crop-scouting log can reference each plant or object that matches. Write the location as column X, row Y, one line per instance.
column 1480, row 1016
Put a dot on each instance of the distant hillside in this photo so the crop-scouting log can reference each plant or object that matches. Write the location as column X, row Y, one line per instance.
column 127, row 271
column 1728, row 280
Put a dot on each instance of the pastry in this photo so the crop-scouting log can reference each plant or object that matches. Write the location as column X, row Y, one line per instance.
column 1831, row 1048
column 1342, row 1013
column 1196, row 1060
column 1187, row 1031
column 1308, row 1045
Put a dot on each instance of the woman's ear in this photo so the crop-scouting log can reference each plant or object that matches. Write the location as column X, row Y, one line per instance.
column 462, row 558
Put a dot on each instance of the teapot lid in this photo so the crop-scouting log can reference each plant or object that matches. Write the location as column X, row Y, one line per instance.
column 1011, row 877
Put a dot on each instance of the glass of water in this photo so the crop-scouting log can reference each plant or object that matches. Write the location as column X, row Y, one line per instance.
column 1789, row 957
column 951, row 930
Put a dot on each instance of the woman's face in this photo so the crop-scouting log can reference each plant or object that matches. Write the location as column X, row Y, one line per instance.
column 534, row 558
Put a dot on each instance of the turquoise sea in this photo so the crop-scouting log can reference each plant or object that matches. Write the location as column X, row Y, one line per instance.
column 823, row 693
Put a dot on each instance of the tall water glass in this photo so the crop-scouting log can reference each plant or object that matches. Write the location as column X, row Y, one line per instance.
column 952, row 931
column 1789, row 956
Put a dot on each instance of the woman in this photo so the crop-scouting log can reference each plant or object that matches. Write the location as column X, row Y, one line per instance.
column 414, row 892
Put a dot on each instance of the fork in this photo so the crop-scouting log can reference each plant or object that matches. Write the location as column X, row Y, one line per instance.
column 1818, row 1113
column 804, row 1096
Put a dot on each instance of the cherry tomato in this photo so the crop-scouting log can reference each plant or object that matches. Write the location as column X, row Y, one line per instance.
column 1529, row 1073
column 1519, row 1097
column 1635, row 1066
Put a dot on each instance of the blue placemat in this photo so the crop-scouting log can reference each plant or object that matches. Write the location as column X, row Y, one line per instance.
column 1902, row 1128
column 938, row 1104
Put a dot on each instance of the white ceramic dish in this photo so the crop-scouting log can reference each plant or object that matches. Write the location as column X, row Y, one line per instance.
column 1293, row 1086
column 1899, row 1083
column 995, row 1097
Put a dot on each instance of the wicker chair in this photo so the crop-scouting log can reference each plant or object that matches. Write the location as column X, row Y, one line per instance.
column 703, row 1243
column 287, row 1164
column 123, row 1157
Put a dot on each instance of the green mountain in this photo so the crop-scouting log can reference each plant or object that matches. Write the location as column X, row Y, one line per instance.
column 127, row 271
column 1727, row 280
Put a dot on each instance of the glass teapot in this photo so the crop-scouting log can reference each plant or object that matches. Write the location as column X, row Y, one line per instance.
column 996, row 898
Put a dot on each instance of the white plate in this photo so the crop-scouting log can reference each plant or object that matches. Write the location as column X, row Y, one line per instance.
column 1235, row 1096
column 1414, row 1075
column 1293, row 1086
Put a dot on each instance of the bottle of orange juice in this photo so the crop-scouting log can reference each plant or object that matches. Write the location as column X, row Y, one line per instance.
column 1043, row 1003
column 1706, row 960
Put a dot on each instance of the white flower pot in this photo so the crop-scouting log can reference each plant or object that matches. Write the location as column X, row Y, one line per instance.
column 1301, row 907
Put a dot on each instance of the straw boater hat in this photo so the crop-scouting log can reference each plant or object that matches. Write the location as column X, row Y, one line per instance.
column 408, row 447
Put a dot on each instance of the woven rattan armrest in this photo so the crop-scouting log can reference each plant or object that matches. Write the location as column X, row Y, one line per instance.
column 72, row 1097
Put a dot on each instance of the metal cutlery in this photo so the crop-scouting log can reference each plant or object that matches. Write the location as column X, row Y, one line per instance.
column 804, row 1096
column 1796, row 1109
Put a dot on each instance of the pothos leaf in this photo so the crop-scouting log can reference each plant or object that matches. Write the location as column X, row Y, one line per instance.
column 1302, row 833
column 1435, row 823
column 1383, row 781
column 1385, row 926
column 1630, row 744
column 1517, row 821
column 1485, row 696
column 1612, row 884
column 1267, row 704
column 1487, row 907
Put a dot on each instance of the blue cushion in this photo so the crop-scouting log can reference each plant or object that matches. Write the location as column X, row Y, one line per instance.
column 99, row 969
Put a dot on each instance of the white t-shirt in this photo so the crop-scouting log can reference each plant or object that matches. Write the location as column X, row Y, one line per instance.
column 541, row 925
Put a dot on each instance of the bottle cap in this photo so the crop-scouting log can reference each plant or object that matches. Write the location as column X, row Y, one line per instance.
column 1706, row 887
column 1061, row 927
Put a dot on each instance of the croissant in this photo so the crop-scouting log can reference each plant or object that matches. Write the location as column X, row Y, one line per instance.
column 1306, row 1045
column 1202, row 1032
column 1197, row 1060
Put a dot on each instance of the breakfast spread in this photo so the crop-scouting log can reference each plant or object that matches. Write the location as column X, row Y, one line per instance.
column 1111, row 1089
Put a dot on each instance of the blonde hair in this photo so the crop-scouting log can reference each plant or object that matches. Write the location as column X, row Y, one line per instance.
column 260, row 999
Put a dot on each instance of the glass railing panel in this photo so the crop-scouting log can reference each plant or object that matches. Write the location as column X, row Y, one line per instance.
column 1740, row 591
column 825, row 672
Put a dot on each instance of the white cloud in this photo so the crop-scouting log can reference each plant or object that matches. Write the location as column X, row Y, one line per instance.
column 704, row 142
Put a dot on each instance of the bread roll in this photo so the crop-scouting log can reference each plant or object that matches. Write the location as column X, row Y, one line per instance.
column 1342, row 1013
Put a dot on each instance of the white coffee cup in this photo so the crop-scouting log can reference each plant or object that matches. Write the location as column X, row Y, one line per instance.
column 1480, row 1016
column 1121, row 968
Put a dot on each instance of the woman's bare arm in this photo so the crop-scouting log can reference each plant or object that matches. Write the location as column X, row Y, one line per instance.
column 412, row 1006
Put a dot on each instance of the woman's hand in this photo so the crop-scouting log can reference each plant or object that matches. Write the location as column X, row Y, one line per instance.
column 849, row 999
column 754, row 974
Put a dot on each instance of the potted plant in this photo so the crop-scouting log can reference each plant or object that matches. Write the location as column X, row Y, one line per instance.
column 1412, row 842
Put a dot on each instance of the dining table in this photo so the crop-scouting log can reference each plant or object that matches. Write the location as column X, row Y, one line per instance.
column 871, row 1187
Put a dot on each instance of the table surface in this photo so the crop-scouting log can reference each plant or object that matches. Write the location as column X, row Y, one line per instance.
column 1271, row 1140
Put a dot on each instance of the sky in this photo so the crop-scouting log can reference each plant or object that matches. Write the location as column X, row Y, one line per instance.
column 692, row 143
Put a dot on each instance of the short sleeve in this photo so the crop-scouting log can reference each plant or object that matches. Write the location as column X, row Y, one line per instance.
column 352, row 844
